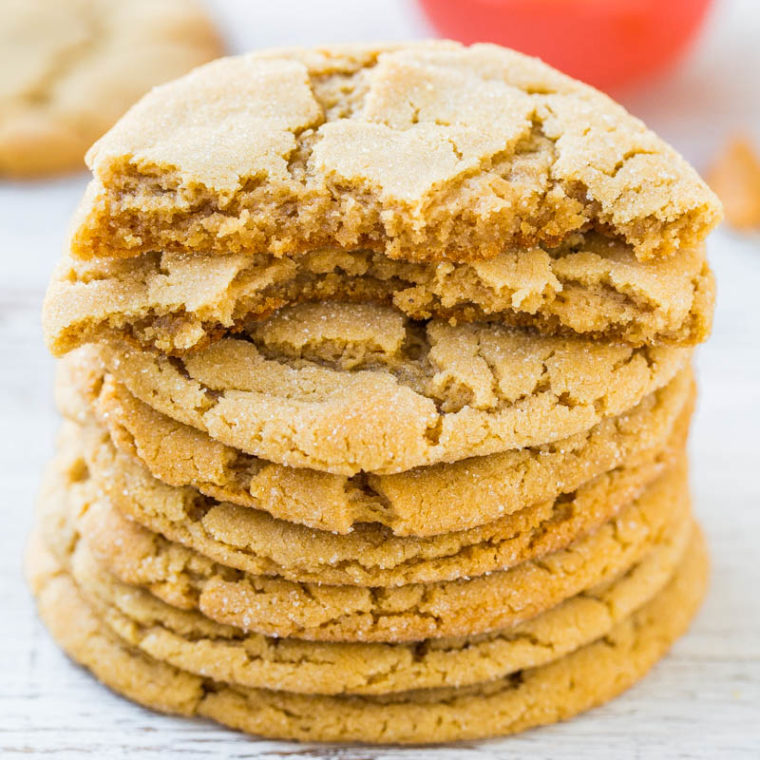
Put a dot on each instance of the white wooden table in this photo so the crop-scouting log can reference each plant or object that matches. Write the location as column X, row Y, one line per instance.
column 703, row 701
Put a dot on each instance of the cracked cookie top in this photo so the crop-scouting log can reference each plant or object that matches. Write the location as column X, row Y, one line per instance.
column 370, row 555
column 422, row 502
column 345, row 388
column 424, row 151
column 69, row 70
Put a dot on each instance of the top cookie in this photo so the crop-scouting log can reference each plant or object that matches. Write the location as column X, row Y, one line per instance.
column 423, row 152
column 68, row 70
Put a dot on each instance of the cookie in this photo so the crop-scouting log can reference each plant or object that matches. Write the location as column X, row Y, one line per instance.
column 259, row 544
column 423, row 151
column 535, row 696
column 312, row 611
column 192, row 642
column 70, row 69
column 421, row 502
column 589, row 285
column 345, row 388
column 735, row 177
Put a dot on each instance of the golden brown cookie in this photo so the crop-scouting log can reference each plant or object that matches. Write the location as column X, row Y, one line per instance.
column 193, row 642
column 735, row 177
column 535, row 696
column 69, row 70
column 423, row 151
column 259, row 544
column 589, row 285
column 346, row 388
column 422, row 502
column 274, row 606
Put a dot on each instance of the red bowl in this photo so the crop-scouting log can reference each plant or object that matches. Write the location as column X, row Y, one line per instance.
column 607, row 43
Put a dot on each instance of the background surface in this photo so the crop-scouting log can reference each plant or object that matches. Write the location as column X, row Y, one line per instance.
column 703, row 701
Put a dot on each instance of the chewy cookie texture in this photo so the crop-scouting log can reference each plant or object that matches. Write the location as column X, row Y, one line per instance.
column 425, row 152
column 589, row 285
column 376, row 384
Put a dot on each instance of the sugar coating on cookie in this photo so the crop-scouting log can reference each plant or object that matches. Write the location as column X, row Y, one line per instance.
column 589, row 285
column 421, row 502
column 536, row 696
column 69, row 70
column 318, row 612
column 344, row 388
column 423, row 151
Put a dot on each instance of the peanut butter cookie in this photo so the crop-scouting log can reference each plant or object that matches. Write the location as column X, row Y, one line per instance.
column 422, row 502
column 312, row 611
column 589, row 285
column 193, row 642
column 535, row 696
column 345, row 388
column 259, row 544
column 424, row 151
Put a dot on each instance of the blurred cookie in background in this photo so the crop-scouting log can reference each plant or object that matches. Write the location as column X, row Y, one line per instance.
column 70, row 68
column 735, row 177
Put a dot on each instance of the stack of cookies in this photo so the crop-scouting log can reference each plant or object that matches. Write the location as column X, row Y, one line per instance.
column 376, row 385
